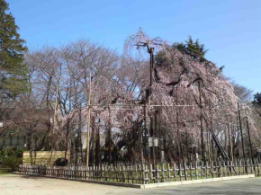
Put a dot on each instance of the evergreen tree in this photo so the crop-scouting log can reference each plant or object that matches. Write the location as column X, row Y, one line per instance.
column 192, row 48
column 257, row 99
column 13, row 72
column 195, row 48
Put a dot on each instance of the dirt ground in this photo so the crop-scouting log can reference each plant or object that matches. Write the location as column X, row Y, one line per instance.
column 19, row 185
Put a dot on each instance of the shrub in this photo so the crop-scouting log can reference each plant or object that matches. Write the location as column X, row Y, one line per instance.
column 10, row 158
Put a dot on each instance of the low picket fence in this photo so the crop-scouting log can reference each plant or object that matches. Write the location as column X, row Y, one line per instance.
column 146, row 173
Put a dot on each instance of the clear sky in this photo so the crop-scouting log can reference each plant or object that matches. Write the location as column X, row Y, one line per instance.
column 230, row 29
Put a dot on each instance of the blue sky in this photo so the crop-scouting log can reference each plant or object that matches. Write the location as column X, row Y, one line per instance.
column 230, row 30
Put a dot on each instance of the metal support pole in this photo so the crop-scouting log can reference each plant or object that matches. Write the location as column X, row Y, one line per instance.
column 242, row 138
column 201, row 125
column 151, row 53
column 250, row 142
column 89, row 122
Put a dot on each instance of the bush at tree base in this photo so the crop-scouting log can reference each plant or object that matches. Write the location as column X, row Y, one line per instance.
column 10, row 158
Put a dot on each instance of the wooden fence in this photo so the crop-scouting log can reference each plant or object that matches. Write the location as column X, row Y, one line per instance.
column 143, row 174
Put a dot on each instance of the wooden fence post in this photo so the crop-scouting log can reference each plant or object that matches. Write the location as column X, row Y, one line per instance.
column 168, row 169
column 151, row 174
column 174, row 171
column 180, row 176
column 185, row 169
column 190, row 169
column 163, row 173
column 196, row 169
column 206, row 168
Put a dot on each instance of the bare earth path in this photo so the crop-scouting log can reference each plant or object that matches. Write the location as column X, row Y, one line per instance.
column 17, row 185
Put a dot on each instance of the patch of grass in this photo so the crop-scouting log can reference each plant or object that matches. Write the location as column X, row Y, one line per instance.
column 4, row 171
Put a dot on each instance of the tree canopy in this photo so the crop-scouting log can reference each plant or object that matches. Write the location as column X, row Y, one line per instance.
column 192, row 48
column 13, row 72
column 257, row 99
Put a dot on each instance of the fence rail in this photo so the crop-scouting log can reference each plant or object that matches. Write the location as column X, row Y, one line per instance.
column 143, row 174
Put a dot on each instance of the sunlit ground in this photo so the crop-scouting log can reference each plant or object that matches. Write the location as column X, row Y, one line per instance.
column 11, row 184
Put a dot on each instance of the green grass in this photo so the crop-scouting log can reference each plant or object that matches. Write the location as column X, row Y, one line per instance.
column 4, row 171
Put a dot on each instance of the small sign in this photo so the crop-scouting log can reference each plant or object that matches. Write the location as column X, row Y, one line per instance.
column 196, row 155
column 156, row 142
column 150, row 142
column 1, row 124
column 153, row 142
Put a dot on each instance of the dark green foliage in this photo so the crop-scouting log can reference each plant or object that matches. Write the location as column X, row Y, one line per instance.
column 10, row 158
column 192, row 48
column 161, row 59
column 257, row 99
column 13, row 72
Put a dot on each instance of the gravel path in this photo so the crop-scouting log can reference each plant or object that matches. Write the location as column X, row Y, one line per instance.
column 18, row 185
